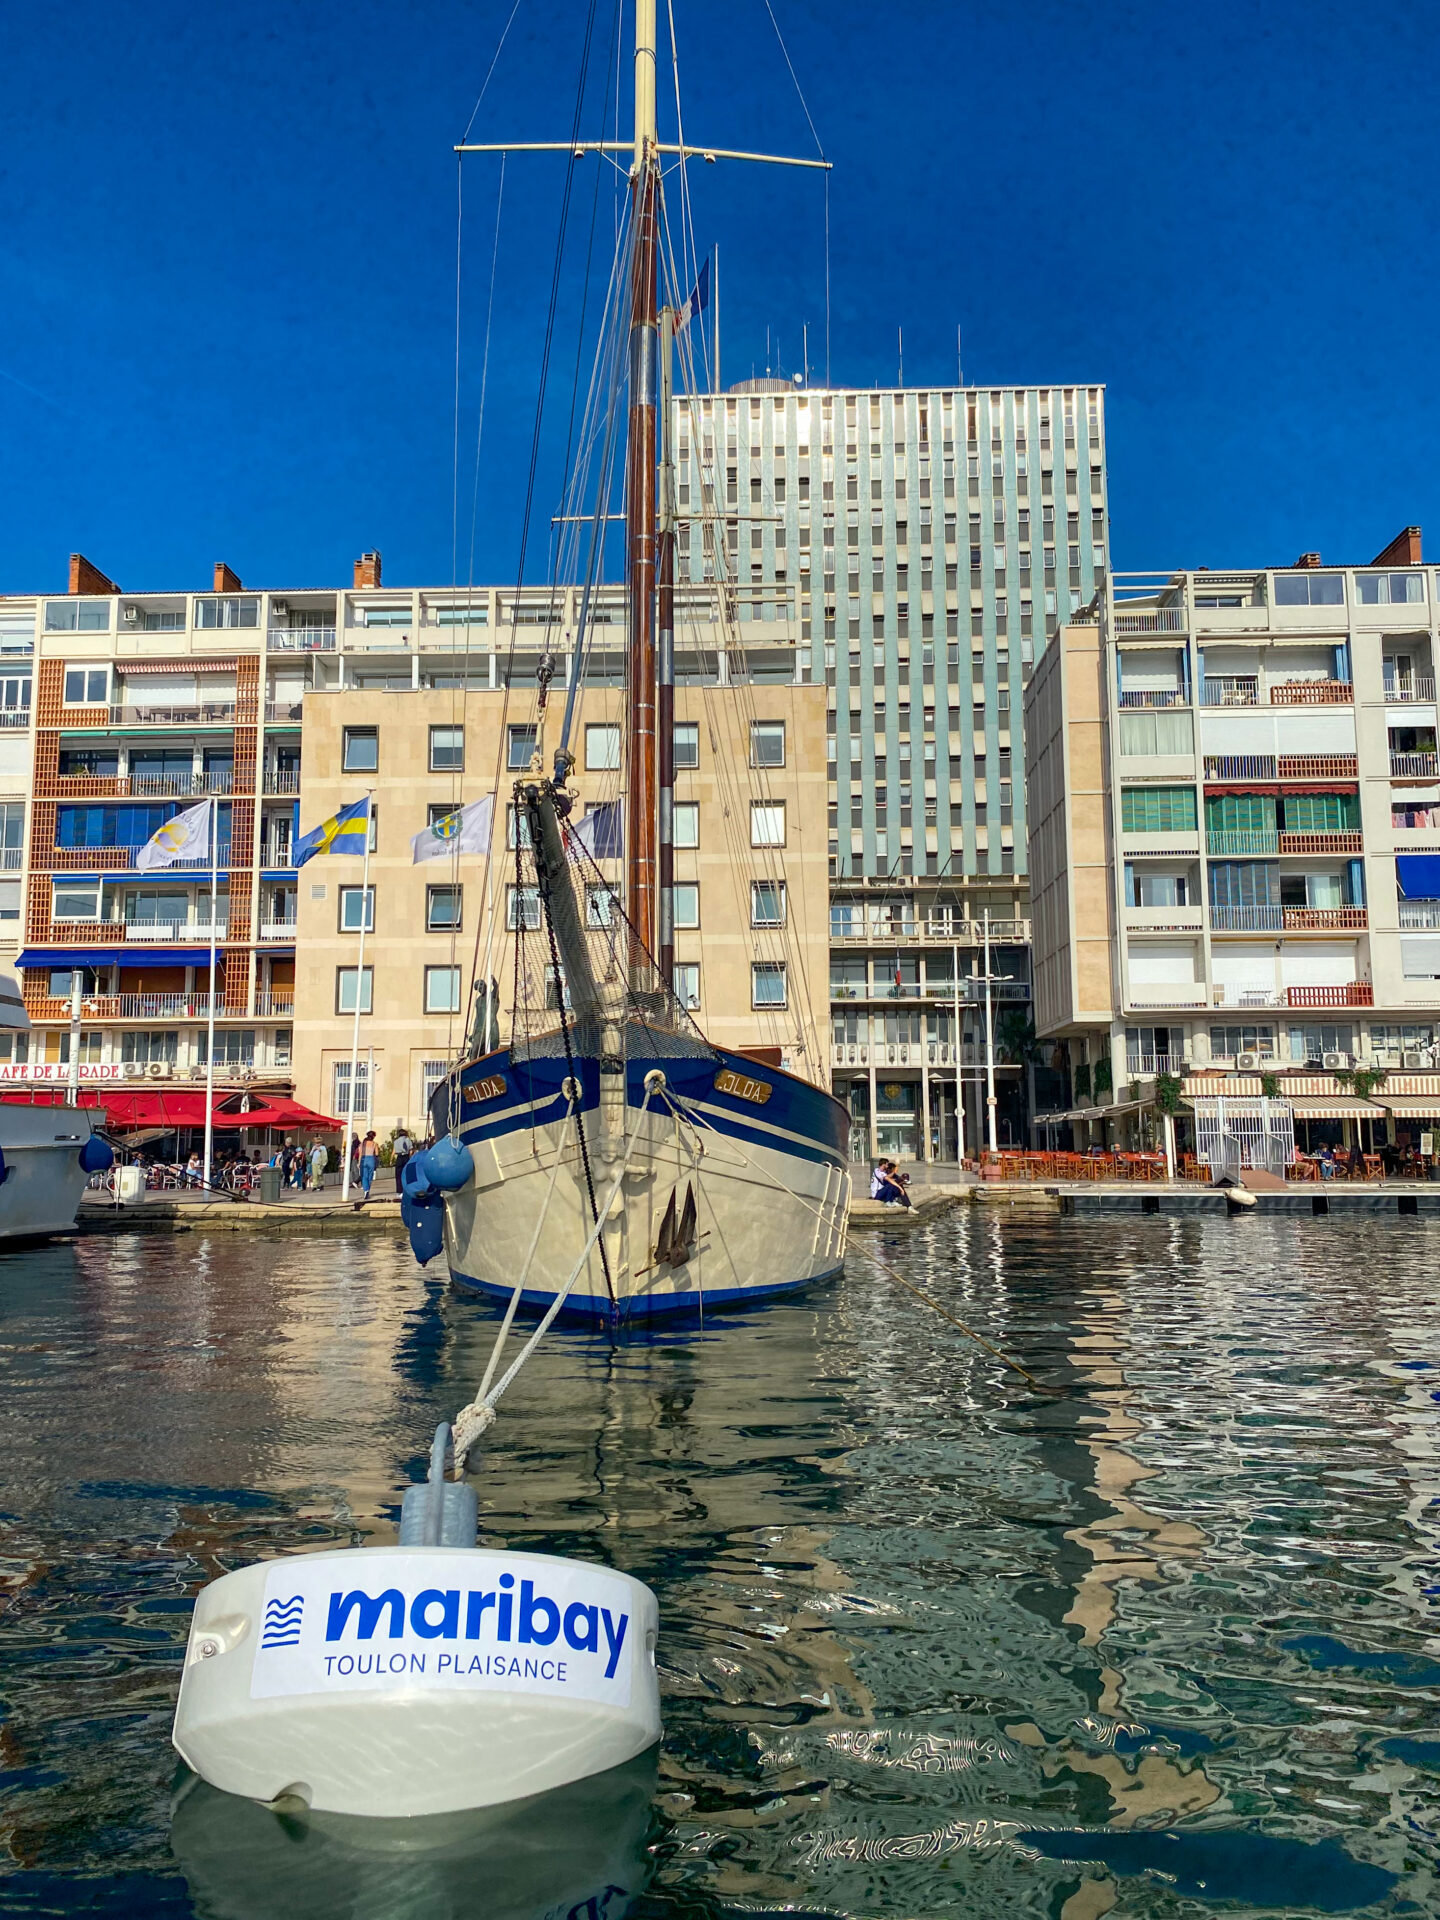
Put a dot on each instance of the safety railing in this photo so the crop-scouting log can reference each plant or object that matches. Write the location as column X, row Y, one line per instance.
column 1312, row 693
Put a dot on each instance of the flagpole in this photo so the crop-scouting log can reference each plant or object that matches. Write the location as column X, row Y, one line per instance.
column 359, row 995
column 210, row 1021
column 715, row 317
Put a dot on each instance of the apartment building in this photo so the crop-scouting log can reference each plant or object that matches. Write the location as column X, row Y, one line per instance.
column 282, row 705
column 1235, row 837
column 925, row 543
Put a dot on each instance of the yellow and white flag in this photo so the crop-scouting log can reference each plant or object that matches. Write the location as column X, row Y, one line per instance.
column 186, row 837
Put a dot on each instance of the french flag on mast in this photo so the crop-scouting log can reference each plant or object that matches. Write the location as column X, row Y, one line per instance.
column 698, row 301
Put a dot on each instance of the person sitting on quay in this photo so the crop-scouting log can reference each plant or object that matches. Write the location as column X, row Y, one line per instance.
column 887, row 1185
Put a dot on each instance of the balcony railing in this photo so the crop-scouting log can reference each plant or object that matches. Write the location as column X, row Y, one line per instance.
column 1415, row 914
column 1230, row 690
column 279, row 710
column 278, row 781
column 1288, row 919
column 1411, row 687
column 1244, row 840
column 1144, row 1066
column 936, row 930
column 11, row 859
column 279, row 929
column 1156, row 620
column 160, row 1006
column 1354, row 993
column 1286, row 766
column 273, row 1002
column 1414, row 766
column 170, row 930
column 300, row 640
column 1155, row 697
column 165, row 714
column 1240, row 766
column 1343, row 840
column 1245, row 919
column 14, row 716
column 895, row 1053
column 1312, row 693
column 277, row 859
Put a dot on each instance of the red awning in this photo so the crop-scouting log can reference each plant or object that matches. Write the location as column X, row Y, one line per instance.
column 271, row 1110
column 126, row 1111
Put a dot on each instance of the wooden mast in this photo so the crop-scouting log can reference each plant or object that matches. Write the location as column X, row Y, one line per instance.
column 641, row 862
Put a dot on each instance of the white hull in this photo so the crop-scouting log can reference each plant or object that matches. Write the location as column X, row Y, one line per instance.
column 44, row 1179
column 770, row 1215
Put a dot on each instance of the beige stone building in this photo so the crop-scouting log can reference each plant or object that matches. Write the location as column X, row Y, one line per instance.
column 752, row 889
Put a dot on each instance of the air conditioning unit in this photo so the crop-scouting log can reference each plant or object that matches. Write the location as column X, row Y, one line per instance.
column 280, row 609
column 197, row 1073
column 134, row 1069
column 1332, row 1061
column 131, row 616
column 156, row 1070
column 1247, row 1062
column 1422, row 1057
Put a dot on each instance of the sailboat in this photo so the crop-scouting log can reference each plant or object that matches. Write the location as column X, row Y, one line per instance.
column 611, row 1155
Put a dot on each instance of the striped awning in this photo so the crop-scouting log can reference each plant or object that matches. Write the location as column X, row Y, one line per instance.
column 1336, row 1107
column 1415, row 1106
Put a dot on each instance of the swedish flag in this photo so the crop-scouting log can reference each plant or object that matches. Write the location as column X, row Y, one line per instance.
column 344, row 832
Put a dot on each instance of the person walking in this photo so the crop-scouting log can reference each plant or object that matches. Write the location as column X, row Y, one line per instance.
column 369, row 1158
column 403, row 1148
column 319, row 1161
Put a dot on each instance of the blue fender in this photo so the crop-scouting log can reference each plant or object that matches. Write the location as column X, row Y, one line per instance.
column 447, row 1165
column 97, row 1155
column 412, row 1178
column 424, row 1219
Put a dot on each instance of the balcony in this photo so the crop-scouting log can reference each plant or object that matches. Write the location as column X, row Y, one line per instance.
column 1414, row 766
column 1222, row 767
column 1288, row 919
column 1144, row 1066
column 1230, row 690
column 934, row 930
column 141, row 786
column 274, row 1003
column 1354, row 993
column 279, row 711
column 1247, row 842
column 1156, row 697
column 1312, row 693
column 278, row 929
column 281, row 781
column 164, row 714
column 1418, row 915
column 1154, row 620
column 14, row 717
column 1341, row 841
column 300, row 640
column 1412, row 688
column 172, row 932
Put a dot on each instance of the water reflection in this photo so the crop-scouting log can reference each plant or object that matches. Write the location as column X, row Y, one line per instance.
column 932, row 1642
column 576, row 1854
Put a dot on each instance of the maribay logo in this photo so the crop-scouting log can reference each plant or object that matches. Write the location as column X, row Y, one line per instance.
column 423, row 1620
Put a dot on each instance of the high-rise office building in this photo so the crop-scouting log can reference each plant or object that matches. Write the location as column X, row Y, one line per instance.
column 924, row 543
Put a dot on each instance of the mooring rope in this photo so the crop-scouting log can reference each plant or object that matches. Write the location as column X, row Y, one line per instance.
column 472, row 1421
column 699, row 1119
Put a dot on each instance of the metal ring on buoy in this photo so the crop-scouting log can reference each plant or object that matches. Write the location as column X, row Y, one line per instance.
column 570, row 1088
column 654, row 1080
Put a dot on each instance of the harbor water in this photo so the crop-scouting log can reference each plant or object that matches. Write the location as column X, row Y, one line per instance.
column 1154, row 1638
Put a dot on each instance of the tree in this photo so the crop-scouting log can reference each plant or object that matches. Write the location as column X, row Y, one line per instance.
column 1015, row 1037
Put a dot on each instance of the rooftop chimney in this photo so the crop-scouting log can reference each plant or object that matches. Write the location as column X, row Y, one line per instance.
column 87, row 579
column 226, row 578
column 1403, row 550
column 367, row 570
column 1308, row 560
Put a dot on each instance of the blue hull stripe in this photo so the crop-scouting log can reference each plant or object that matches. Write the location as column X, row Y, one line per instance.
column 644, row 1305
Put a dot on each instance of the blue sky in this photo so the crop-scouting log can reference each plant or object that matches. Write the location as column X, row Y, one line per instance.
column 228, row 260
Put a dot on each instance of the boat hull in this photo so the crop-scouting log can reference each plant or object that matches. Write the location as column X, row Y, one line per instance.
column 43, row 1182
column 736, row 1187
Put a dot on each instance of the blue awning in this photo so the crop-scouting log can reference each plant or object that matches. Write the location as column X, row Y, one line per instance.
column 1419, row 875
column 47, row 958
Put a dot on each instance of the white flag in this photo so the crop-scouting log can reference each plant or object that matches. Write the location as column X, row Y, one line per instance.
column 466, row 831
column 186, row 837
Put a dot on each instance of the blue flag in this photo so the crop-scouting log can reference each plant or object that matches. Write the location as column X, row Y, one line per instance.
column 344, row 832
column 699, row 299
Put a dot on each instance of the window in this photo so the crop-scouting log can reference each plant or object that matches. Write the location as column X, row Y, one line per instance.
column 77, row 616
column 522, row 908
column 687, row 744
column 473, row 616
column 442, row 909
column 433, row 1074
column 517, row 827
column 1146, row 888
column 398, row 615
column 234, row 1047
column 227, row 613
column 350, row 909
column 687, row 905
column 447, row 749
column 767, row 984
column 767, row 903
column 1153, row 730
column 345, row 986
column 1321, row 812
column 361, row 752
column 602, row 748
column 686, row 983
column 1309, row 589
column 602, row 907
column 767, row 823
column 442, row 989
column 87, row 686
column 9, row 900
column 96, row 763
column 1390, row 589
column 685, row 824
column 142, row 1047
column 77, row 899
column 341, row 1103
column 1226, row 1042
column 1158, row 810
column 522, row 743
column 767, row 743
